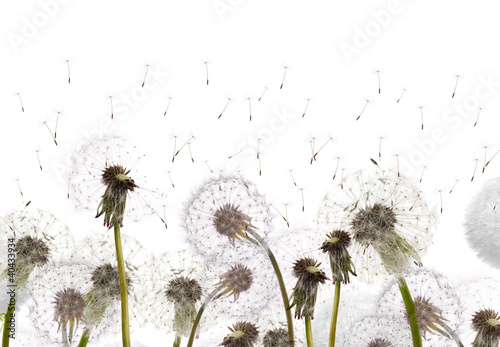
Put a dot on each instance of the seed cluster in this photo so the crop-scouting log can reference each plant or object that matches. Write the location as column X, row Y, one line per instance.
column 243, row 334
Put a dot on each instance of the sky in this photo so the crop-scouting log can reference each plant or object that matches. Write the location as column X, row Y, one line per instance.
column 413, row 84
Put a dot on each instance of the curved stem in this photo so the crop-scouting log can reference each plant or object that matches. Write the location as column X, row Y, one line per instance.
column 198, row 316
column 284, row 294
column 335, row 311
column 411, row 311
column 309, row 335
column 123, row 286
column 177, row 341
column 85, row 338
column 6, row 327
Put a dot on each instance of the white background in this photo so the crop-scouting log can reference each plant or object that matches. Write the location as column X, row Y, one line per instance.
column 331, row 51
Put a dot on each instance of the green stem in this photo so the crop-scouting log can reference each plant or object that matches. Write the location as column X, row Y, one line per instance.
column 177, row 341
column 335, row 312
column 198, row 316
column 309, row 335
column 411, row 311
column 284, row 294
column 6, row 327
column 85, row 338
column 123, row 287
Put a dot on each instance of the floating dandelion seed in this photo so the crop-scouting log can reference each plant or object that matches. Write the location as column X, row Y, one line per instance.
column 69, row 72
column 145, row 76
column 111, row 103
column 378, row 77
column 403, row 93
column 265, row 89
column 190, row 153
column 494, row 155
column 422, row 116
column 422, row 174
column 224, row 109
column 293, row 179
column 208, row 166
column 285, row 219
column 478, row 114
column 206, row 69
column 484, row 161
column 474, row 173
column 305, row 110
column 363, row 110
column 185, row 143
column 283, row 80
column 315, row 154
column 453, row 188
column 455, row 89
column 20, row 101
column 336, row 168
column 19, row 186
column 243, row 334
column 397, row 161
column 50, row 131
column 38, row 157
column 57, row 123
column 172, row 182
column 175, row 148
column 168, row 105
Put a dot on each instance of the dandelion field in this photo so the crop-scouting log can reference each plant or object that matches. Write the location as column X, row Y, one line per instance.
column 222, row 160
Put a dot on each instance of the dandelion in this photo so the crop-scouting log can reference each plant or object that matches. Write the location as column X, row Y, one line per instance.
column 105, row 294
column 57, row 302
column 243, row 334
column 376, row 331
column 248, row 282
column 438, row 306
column 38, row 237
column 482, row 223
column 176, row 292
column 229, row 209
column 341, row 265
column 389, row 222
column 482, row 315
column 107, row 162
column 276, row 338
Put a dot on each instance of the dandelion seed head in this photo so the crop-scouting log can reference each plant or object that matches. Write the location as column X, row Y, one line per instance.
column 182, row 290
column 237, row 279
column 482, row 223
column 340, row 261
column 69, row 304
column 243, row 334
column 486, row 323
column 390, row 223
column 309, row 277
column 276, row 338
column 230, row 221
column 32, row 250
column 106, row 280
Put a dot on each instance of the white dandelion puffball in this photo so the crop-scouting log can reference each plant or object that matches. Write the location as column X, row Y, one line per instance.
column 482, row 223
column 388, row 219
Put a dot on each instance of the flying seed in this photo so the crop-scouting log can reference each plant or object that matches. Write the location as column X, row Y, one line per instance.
column 314, row 156
column 283, row 80
column 168, row 105
column 206, row 162
column 422, row 175
column 478, row 114
column 305, row 110
column 250, row 108
column 491, row 158
column 21, row 101
column 234, row 155
column 336, row 168
column 228, row 100
column 185, row 143
column 145, row 75
column 190, row 153
column 258, row 146
column 454, row 90
column 172, row 182
column 111, row 102
column 303, row 205
column 20, row 191
column 50, row 131
column 57, row 122
column 38, row 157
column 342, row 180
column 441, row 199
column 260, row 165
column 175, row 145
column 288, row 224
column 403, row 93
column 453, row 186
column 264, row 92
column 397, row 159
column 484, row 161
column 69, row 72
column 206, row 69
column 422, row 116
column 378, row 75
column 380, row 148
column 363, row 110
column 474, row 173
column 293, row 179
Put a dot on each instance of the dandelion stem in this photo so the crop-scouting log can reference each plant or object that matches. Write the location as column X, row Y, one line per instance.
column 411, row 311
column 335, row 311
column 6, row 327
column 309, row 336
column 277, row 271
column 123, row 286
column 199, row 314
column 85, row 338
column 177, row 341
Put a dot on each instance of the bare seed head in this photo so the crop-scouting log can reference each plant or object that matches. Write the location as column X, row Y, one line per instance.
column 309, row 277
column 277, row 338
column 429, row 316
column 69, row 304
column 183, row 291
column 118, row 184
column 237, row 280
column 106, row 280
column 378, row 342
column 340, row 261
column 229, row 221
column 243, row 334
column 486, row 323
column 32, row 251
